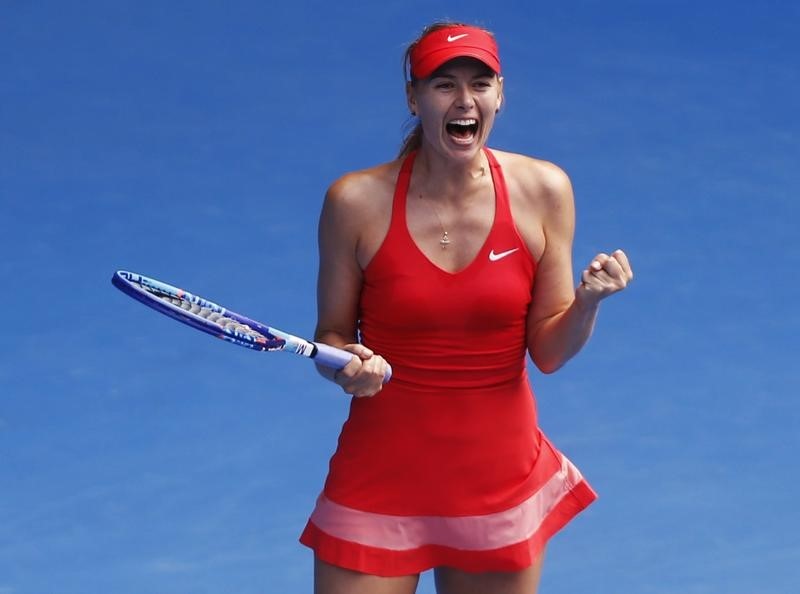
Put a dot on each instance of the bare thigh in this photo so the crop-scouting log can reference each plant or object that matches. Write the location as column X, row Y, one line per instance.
column 329, row 579
column 454, row 581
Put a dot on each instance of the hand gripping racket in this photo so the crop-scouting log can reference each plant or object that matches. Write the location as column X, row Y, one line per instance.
column 207, row 316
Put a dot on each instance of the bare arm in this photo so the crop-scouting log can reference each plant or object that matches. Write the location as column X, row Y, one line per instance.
column 562, row 318
column 339, row 288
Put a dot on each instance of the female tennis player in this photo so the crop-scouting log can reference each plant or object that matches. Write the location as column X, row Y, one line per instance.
column 451, row 263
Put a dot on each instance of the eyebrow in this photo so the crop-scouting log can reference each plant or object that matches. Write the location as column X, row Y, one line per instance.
column 488, row 73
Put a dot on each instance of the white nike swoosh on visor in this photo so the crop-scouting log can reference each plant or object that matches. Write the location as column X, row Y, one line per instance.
column 452, row 38
column 495, row 257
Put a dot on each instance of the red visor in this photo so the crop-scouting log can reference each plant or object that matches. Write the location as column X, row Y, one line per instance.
column 442, row 45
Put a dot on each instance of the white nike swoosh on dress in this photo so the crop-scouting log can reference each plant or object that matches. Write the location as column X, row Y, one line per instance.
column 495, row 257
column 452, row 38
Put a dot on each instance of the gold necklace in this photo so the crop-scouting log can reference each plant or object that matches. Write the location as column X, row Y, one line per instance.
column 445, row 240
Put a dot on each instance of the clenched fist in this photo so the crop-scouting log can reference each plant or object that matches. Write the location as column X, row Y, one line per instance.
column 605, row 276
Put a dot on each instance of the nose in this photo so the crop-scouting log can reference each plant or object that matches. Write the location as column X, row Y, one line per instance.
column 464, row 99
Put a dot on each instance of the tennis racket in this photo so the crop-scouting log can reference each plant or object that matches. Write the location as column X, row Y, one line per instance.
column 207, row 316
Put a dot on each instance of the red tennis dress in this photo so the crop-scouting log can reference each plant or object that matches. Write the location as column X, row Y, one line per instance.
column 446, row 466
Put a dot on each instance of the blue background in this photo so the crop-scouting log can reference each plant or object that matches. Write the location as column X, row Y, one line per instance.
column 193, row 142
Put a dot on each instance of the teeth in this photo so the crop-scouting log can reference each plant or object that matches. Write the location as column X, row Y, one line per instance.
column 470, row 122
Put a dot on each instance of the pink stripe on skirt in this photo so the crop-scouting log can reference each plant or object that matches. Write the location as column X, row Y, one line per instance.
column 467, row 533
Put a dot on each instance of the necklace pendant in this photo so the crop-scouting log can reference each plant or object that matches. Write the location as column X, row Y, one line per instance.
column 444, row 241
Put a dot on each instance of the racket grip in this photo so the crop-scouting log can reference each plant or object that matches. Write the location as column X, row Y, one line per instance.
column 337, row 358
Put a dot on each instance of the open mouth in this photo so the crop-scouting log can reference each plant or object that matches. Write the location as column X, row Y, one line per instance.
column 462, row 130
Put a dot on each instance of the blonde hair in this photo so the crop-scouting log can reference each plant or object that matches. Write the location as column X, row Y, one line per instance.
column 413, row 138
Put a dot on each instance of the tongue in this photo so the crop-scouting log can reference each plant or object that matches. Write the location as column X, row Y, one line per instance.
column 460, row 132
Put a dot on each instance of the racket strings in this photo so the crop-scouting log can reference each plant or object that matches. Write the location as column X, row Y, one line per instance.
column 229, row 325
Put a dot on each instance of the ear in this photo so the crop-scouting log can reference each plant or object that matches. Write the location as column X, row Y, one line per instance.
column 500, row 95
column 411, row 99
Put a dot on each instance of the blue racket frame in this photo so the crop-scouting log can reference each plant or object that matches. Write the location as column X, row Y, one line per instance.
column 150, row 291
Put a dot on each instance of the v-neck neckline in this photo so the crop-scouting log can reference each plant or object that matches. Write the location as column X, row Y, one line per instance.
column 481, row 251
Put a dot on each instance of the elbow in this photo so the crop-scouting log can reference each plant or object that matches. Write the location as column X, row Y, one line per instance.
column 547, row 365
column 549, row 351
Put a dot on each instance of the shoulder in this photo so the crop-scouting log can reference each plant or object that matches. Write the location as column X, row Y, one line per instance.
column 358, row 194
column 357, row 210
column 357, row 186
column 540, row 192
column 534, row 178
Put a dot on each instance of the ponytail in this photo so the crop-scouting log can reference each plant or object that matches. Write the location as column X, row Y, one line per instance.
column 412, row 141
